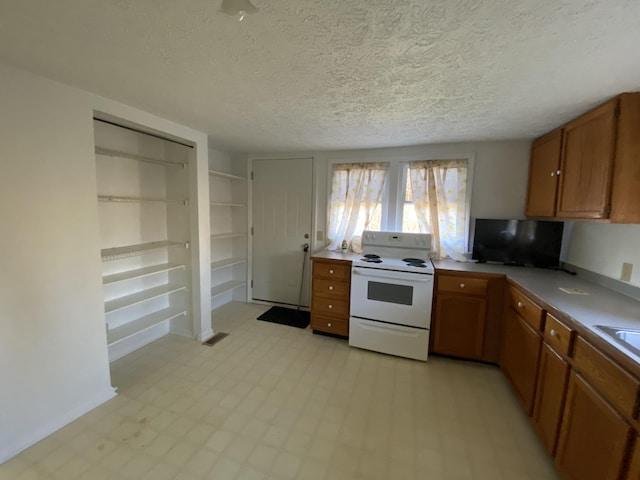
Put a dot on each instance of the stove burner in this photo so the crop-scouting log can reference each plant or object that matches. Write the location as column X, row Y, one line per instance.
column 374, row 259
column 414, row 264
column 413, row 260
column 371, row 255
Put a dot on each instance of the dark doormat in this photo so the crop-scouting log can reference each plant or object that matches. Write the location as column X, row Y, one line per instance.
column 286, row 316
column 215, row 339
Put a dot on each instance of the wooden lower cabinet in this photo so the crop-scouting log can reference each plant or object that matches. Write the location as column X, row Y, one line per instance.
column 519, row 359
column 553, row 375
column 633, row 473
column 460, row 326
column 330, row 296
column 593, row 437
column 467, row 316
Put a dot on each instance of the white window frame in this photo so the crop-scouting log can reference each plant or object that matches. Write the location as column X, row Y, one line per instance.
column 393, row 193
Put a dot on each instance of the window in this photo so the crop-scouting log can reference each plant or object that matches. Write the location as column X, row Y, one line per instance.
column 355, row 203
column 431, row 198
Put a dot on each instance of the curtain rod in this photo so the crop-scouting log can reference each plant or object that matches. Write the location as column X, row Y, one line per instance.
column 144, row 133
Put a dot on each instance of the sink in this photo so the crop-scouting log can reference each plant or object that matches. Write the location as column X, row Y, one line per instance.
column 627, row 337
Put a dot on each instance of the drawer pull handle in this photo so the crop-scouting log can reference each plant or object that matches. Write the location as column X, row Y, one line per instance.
column 330, row 306
column 331, row 271
column 330, row 287
column 552, row 333
column 462, row 285
column 328, row 325
column 520, row 305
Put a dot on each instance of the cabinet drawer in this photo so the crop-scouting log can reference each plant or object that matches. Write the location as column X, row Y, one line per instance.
column 337, row 326
column 611, row 381
column 330, row 288
column 528, row 310
column 462, row 285
column 335, row 270
column 558, row 335
column 333, row 307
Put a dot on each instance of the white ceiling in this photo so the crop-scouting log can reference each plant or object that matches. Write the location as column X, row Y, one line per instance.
column 336, row 74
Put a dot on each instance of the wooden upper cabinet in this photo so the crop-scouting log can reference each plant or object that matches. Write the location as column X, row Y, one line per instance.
column 625, row 194
column 599, row 165
column 544, row 166
column 593, row 437
column 587, row 164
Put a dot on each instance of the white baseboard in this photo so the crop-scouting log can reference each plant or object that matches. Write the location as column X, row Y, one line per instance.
column 20, row 444
column 205, row 335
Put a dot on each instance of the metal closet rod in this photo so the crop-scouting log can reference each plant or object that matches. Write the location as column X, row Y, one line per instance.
column 144, row 133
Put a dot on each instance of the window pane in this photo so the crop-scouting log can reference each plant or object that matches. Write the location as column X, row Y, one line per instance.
column 408, row 196
column 409, row 219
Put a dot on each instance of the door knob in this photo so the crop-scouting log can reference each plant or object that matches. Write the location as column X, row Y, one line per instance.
column 306, row 235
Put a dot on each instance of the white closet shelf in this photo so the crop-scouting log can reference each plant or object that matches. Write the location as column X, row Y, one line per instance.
column 140, row 297
column 140, row 273
column 227, row 204
column 116, row 199
column 228, row 262
column 139, row 158
column 143, row 323
column 117, row 253
column 227, row 287
column 217, row 236
column 216, row 173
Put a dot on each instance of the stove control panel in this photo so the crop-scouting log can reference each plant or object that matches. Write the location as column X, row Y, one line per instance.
column 396, row 239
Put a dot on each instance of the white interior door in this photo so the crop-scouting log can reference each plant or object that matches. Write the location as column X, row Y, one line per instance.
column 282, row 206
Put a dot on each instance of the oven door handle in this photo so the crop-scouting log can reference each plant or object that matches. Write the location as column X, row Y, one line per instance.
column 391, row 274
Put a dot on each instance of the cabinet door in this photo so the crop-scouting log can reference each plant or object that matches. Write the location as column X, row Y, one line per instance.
column 544, row 165
column 520, row 353
column 593, row 437
column 550, row 394
column 633, row 473
column 459, row 325
column 587, row 164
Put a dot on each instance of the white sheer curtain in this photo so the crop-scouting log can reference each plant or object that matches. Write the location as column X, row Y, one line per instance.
column 439, row 190
column 356, row 191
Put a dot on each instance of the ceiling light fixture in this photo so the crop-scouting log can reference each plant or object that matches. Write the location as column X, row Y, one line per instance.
column 237, row 9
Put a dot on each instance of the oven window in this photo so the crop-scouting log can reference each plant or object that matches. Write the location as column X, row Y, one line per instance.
column 390, row 293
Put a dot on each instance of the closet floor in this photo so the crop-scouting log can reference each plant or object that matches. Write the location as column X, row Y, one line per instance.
column 276, row 402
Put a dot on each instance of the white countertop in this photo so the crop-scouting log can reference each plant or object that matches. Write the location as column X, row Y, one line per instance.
column 336, row 255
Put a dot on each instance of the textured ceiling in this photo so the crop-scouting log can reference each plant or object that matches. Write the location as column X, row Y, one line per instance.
column 334, row 74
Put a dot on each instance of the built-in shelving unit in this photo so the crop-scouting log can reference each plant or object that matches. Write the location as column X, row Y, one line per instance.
column 227, row 287
column 126, row 251
column 229, row 262
column 143, row 189
column 110, row 198
column 220, row 236
column 228, row 218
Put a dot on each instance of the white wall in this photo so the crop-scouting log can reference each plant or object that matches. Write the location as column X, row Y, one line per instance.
column 53, row 360
column 602, row 248
column 53, row 353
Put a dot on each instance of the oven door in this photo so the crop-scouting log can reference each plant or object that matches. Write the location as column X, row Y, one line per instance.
column 402, row 298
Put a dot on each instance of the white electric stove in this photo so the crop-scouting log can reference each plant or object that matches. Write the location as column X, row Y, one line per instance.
column 391, row 294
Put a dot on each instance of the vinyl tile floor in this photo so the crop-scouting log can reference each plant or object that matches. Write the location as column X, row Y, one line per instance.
column 276, row 402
